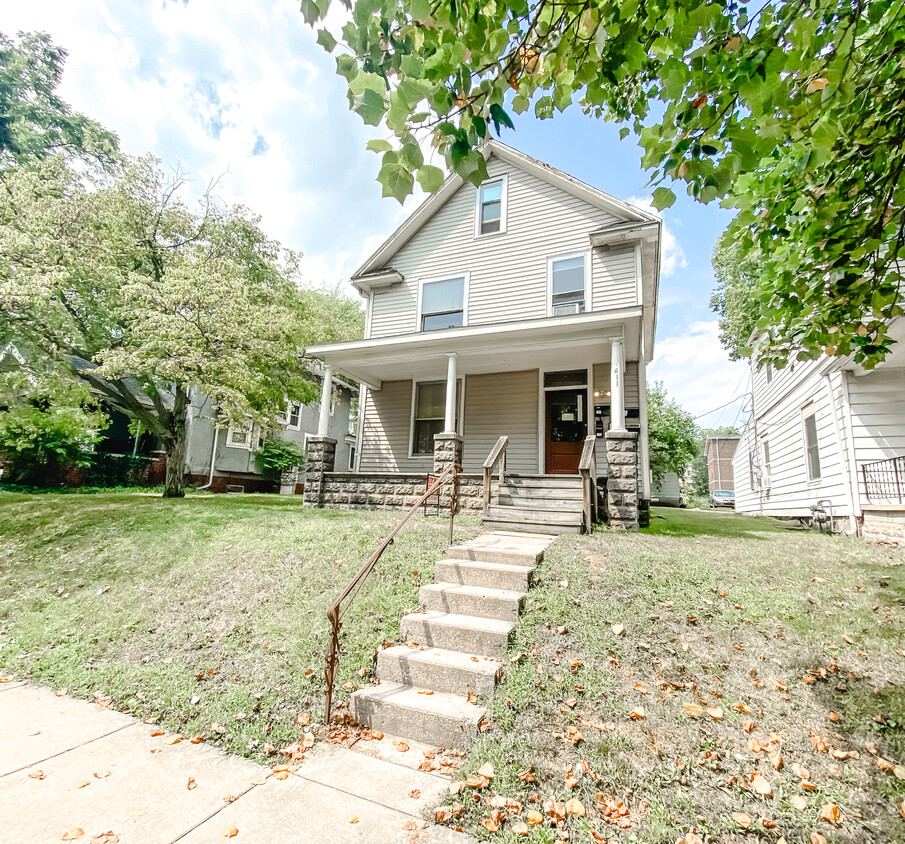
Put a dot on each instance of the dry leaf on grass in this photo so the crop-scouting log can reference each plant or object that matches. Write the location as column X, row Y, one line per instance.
column 692, row 710
column 715, row 712
column 742, row 819
column 761, row 785
column 799, row 802
column 637, row 714
column 520, row 828
column 486, row 770
column 748, row 725
column 618, row 629
column 534, row 818
column 831, row 813
column 575, row 807
column 817, row 838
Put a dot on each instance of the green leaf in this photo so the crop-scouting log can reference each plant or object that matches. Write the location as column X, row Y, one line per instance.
column 396, row 181
column 326, row 40
column 520, row 104
column 430, row 178
column 499, row 116
column 312, row 11
column 663, row 198
column 378, row 145
column 370, row 106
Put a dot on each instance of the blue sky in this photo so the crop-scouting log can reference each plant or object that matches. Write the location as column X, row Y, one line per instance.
column 238, row 89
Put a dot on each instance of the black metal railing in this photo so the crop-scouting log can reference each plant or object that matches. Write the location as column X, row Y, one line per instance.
column 338, row 608
column 884, row 481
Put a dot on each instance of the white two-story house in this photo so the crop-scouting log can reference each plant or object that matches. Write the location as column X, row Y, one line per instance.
column 535, row 295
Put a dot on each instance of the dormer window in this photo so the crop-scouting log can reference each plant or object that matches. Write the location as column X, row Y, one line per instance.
column 442, row 304
column 491, row 211
column 568, row 285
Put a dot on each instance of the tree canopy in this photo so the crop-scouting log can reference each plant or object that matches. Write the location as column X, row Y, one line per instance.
column 34, row 120
column 735, row 299
column 672, row 432
column 789, row 112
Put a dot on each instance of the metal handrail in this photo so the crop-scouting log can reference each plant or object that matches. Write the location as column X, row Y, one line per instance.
column 587, row 468
column 885, row 479
column 344, row 599
column 497, row 454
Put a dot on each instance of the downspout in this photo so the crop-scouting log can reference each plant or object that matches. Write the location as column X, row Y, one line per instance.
column 644, row 445
column 843, row 457
column 210, row 476
column 756, row 446
column 852, row 456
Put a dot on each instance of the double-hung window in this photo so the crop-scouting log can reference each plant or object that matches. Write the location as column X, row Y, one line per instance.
column 294, row 415
column 492, row 207
column 238, row 437
column 568, row 277
column 429, row 415
column 811, row 443
column 765, row 458
column 442, row 304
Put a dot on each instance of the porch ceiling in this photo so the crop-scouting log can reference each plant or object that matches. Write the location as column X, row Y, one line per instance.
column 551, row 343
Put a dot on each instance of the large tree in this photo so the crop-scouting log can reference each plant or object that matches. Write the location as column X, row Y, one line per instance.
column 672, row 432
column 791, row 112
column 34, row 120
column 736, row 297
column 148, row 297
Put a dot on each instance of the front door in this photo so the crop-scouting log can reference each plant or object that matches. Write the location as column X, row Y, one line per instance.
column 567, row 427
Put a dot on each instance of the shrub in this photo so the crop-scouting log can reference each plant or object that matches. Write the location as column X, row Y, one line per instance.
column 277, row 455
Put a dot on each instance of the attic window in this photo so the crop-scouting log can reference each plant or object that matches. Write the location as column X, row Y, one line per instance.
column 492, row 207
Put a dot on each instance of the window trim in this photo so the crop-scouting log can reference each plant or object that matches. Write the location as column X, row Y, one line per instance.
column 289, row 425
column 504, row 205
column 460, row 413
column 765, row 472
column 419, row 317
column 808, row 411
column 232, row 429
column 551, row 259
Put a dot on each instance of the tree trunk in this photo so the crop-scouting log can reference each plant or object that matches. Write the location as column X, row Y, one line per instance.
column 174, row 444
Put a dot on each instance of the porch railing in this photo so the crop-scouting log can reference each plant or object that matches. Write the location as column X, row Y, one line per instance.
column 497, row 456
column 587, row 468
column 884, row 481
column 338, row 608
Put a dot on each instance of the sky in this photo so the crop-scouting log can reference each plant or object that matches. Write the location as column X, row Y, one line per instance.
column 238, row 90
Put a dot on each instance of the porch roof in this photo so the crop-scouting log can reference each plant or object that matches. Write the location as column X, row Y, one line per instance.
column 549, row 343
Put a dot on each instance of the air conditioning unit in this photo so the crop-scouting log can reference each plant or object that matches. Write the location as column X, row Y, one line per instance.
column 565, row 310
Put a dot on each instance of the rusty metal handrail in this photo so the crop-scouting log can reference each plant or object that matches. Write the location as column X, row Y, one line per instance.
column 344, row 600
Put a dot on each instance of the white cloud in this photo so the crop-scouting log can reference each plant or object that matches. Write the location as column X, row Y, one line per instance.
column 673, row 256
column 698, row 374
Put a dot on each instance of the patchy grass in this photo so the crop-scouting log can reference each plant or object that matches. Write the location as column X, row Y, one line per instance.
column 206, row 615
column 686, row 659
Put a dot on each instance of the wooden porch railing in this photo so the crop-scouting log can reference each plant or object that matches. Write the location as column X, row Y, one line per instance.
column 343, row 601
column 587, row 468
column 497, row 455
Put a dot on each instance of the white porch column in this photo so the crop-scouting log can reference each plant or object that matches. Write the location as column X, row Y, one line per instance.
column 449, row 425
column 323, row 421
column 644, row 439
column 617, row 386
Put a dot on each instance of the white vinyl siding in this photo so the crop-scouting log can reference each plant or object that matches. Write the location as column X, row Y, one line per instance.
column 386, row 426
column 502, row 404
column 508, row 272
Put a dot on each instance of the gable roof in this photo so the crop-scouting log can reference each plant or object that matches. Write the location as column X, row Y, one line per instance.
column 377, row 264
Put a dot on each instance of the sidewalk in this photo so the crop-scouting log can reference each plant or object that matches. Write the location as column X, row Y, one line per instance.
column 66, row 766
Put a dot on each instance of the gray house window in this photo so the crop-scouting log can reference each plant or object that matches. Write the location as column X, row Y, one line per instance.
column 443, row 304
column 811, row 444
column 429, row 414
column 490, row 208
column 567, row 281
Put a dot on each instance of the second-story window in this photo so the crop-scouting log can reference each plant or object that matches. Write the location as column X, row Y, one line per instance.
column 293, row 415
column 492, row 207
column 442, row 304
column 567, row 285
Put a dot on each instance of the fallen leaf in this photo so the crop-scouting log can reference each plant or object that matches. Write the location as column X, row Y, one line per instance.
column 281, row 775
column 692, row 710
column 775, row 758
column 901, row 807
column 799, row 802
column 308, row 741
column 831, row 813
column 155, row 733
column 101, row 775
column 534, row 818
column 401, row 746
column 472, row 697
column 304, row 719
column 191, row 784
column 748, row 725
column 486, row 770
column 575, row 807
column 818, row 83
column 491, row 824
column 817, row 838
column 259, row 781
column 108, row 837
column 410, row 826
column 82, row 783
column 636, row 714
column 618, row 629
column 174, row 740
column 715, row 712
column 37, row 775
column 353, row 820
column 442, row 814
column 456, row 787
column 72, row 834
column 742, row 819
column 520, row 828
column 761, row 786
column 230, row 832
column 196, row 739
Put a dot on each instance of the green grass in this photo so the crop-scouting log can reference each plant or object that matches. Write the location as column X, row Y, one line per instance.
column 132, row 596
column 717, row 609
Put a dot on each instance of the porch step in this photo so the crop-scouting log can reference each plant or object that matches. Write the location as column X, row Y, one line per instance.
column 481, row 573
column 502, row 604
column 544, row 481
column 442, row 719
column 439, row 669
column 556, row 493
column 552, row 530
column 466, row 633
column 533, row 515
column 565, row 505
column 516, row 549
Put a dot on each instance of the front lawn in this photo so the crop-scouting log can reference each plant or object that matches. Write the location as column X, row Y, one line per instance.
column 656, row 675
column 205, row 614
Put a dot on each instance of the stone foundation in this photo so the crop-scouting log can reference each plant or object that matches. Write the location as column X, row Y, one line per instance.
column 884, row 523
column 321, row 460
column 357, row 491
column 622, row 480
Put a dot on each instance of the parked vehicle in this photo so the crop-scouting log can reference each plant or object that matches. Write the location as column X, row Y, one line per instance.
column 722, row 498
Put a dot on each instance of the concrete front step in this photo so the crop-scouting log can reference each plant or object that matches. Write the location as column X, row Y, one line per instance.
column 442, row 719
column 503, row 604
column 438, row 669
column 566, row 505
column 466, row 633
column 533, row 515
column 481, row 573
column 500, row 547
column 530, row 527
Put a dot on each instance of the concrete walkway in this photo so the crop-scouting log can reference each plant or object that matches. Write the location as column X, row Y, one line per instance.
column 66, row 766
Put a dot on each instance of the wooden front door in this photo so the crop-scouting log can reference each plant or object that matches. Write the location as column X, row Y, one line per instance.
column 566, row 427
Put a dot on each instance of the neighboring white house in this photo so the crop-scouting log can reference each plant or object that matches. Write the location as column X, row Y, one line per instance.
column 535, row 295
column 826, row 430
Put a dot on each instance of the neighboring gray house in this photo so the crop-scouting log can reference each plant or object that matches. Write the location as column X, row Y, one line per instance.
column 828, row 431
column 232, row 462
column 535, row 295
